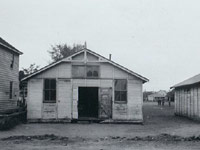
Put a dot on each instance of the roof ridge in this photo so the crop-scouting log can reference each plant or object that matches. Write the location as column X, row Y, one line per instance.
column 188, row 81
column 9, row 46
column 94, row 53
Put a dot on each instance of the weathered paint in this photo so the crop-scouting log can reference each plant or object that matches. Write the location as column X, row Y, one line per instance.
column 105, row 103
column 187, row 101
column 133, row 109
column 62, row 70
column 66, row 106
column 35, row 99
column 64, row 99
column 8, row 74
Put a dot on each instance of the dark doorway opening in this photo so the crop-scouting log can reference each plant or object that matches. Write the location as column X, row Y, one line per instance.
column 88, row 102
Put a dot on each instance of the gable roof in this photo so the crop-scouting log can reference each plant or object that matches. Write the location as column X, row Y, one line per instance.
column 67, row 59
column 190, row 81
column 9, row 46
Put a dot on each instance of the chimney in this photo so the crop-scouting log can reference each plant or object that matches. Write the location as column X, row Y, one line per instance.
column 110, row 56
column 85, row 44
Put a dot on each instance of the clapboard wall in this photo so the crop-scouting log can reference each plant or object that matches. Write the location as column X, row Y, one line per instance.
column 132, row 110
column 8, row 74
column 187, row 101
column 66, row 105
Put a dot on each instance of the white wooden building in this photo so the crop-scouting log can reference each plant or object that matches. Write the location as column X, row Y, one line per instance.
column 160, row 95
column 187, row 98
column 9, row 76
column 87, row 86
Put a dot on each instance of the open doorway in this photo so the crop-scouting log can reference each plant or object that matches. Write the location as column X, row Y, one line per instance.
column 88, row 102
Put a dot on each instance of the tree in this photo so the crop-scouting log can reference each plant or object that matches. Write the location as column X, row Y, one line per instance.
column 171, row 95
column 27, row 71
column 61, row 51
column 23, row 84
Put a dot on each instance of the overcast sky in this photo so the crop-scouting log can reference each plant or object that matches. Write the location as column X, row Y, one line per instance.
column 159, row 39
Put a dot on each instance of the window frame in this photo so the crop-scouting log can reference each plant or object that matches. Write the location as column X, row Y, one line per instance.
column 12, row 61
column 78, row 77
column 117, row 90
column 86, row 71
column 92, row 77
column 11, row 90
column 50, row 90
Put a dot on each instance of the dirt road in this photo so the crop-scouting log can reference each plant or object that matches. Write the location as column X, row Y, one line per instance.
column 161, row 130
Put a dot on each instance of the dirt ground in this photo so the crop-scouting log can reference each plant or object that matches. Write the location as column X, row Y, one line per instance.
column 161, row 131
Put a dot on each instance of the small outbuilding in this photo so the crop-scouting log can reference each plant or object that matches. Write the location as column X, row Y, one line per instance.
column 85, row 86
column 187, row 98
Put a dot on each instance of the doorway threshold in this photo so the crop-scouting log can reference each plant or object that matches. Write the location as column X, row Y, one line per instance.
column 86, row 120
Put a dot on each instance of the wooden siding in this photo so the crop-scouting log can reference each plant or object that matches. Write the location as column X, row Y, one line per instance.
column 75, row 103
column 64, row 98
column 133, row 109
column 79, row 57
column 49, row 111
column 62, row 70
column 66, row 105
column 8, row 74
column 91, row 57
column 109, row 71
column 35, row 99
column 187, row 102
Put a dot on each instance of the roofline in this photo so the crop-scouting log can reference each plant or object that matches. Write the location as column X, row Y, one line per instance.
column 12, row 49
column 41, row 70
column 172, row 87
column 184, row 85
column 122, row 67
column 49, row 66
column 109, row 61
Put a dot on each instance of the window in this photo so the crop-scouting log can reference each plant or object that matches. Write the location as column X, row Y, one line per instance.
column 50, row 90
column 12, row 61
column 92, row 71
column 11, row 90
column 121, row 90
column 78, row 71
column 85, row 71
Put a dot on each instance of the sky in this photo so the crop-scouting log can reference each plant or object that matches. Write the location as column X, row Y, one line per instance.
column 159, row 39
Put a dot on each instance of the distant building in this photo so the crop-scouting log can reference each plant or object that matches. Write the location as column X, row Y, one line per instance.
column 160, row 95
column 187, row 98
column 146, row 94
column 9, row 76
column 85, row 86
